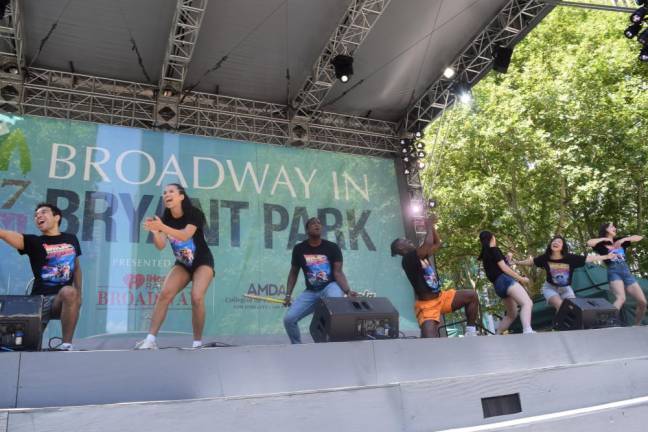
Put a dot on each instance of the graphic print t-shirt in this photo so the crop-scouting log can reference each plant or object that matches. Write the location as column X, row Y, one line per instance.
column 422, row 274
column 316, row 262
column 193, row 250
column 52, row 261
column 559, row 272
column 605, row 247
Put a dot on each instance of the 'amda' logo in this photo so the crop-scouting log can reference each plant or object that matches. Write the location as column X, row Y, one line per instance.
column 10, row 141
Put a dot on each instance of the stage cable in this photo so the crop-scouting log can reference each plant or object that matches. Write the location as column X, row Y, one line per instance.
column 224, row 58
column 49, row 33
column 140, row 61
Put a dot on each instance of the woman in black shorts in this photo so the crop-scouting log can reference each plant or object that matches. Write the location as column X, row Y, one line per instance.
column 182, row 224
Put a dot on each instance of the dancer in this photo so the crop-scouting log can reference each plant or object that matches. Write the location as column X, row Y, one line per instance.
column 419, row 265
column 182, row 224
column 559, row 265
column 507, row 284
column 619, row 276
column 54, row 258
column 321, row 262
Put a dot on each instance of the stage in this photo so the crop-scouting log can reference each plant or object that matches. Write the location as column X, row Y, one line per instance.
column 404, row 384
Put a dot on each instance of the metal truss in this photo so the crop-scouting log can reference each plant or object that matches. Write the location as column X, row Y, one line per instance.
column 351, row 31
column 182, row 40
column 511, row 24
column 11, row 33
column 72, row 96
column 625, row 6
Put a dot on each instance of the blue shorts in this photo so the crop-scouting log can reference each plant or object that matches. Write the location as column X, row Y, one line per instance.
column 619, row 271
column 502, row 284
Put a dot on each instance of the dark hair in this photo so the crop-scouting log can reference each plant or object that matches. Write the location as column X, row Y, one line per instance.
column 565, row 249
column 603, row 229
column 187, row 206
column 485, row 239
column 393, row 247
column 309, row 221
column 55, row 210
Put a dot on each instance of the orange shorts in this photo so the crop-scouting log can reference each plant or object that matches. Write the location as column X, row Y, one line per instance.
column 432, row 309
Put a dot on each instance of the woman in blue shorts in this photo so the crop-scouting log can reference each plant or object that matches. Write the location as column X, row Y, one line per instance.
column 507, row 284
column 619, row 276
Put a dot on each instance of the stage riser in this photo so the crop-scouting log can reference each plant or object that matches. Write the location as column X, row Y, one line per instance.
column 422, row 406
column 100, row 377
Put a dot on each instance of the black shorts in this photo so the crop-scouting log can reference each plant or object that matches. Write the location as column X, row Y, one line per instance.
column 207, row 261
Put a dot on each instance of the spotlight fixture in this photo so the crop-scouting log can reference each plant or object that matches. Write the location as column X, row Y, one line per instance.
column 11, row 68
column 167, row 113
column 405, row 150
column 407, row 171
column 404, row 142
column 643, row 37
column 420, row 154
column 420, row 165
column 420, row 146
column 343, row 65
column 639, row 15
column 431, row 203
column 9, row 92
column 643, row 55
column 633, row 30
column 449, row 72
column 406, row 159
column 418, row 134
column 167, row 92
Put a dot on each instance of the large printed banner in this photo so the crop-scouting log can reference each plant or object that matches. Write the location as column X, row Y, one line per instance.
column 256, row 199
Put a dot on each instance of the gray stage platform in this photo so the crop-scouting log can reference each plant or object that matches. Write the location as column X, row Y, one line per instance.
column 384, row 385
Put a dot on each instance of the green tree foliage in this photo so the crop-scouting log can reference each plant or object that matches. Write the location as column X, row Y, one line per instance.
column 556, row 146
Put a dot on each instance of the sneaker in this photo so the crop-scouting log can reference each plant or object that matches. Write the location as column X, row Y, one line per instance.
column 146, row 345
column 64, row 347
column 470, row 333
column 529, row 332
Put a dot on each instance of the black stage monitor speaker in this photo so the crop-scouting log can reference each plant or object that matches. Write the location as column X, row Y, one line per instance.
column 586, row 313
column 340, row 319
column 502, row 58
column 20, row 322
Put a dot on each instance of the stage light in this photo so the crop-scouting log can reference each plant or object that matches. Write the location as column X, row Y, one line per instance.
column 632, row 31
column 9, row 92
column 449, row 72
column 167, row 113
column 416, row 207
column 431, row 203
column 405, row 150
column 407, row 171
column 404, row 142
column 406, row 159
column 463, row 92
column 639, row 15
column 167, row 92
column 643, row 37
column 420, row 154
column 343, row 65
column 420, row 146
column 418, row 134
column 11, row 68
column 641, row 2
column 420, row 165
column 643, row 55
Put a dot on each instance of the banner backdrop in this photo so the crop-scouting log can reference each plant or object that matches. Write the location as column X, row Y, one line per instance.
column 256, row 199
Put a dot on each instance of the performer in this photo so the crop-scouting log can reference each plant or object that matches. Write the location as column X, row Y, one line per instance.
column 559, row 265
column 321, row 263
column 619, row 276
column 420, row 267
column 54, row 258
column 182, row 224
column 507, row 284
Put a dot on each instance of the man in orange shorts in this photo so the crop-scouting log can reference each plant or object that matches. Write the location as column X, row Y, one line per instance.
column 431, row 302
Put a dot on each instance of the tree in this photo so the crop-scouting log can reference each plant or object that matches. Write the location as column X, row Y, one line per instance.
column 557, row 145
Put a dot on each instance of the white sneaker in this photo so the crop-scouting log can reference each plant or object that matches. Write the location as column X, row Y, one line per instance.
column 529, row 332
column 471, row 333
column 65, row 347
column 145, row 344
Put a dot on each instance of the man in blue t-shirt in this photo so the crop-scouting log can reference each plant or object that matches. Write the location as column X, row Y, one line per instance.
column 321, row 262
column 54, row 259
